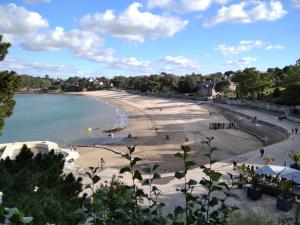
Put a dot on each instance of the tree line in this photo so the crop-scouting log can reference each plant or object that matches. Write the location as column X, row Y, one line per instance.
column 277, row 85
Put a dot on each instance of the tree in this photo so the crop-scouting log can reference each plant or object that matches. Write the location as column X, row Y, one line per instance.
column 169, row 82
column 38, row 186
column 251, row 83
column 9, row 84
column 189, row 84
column 4, row 46
column 222, row 86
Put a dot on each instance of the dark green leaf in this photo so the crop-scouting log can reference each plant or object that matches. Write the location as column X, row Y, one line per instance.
column 189, row 164
column 146, row 182
column 156, row 176
column 135, row 160
column 137, row 175
column 95, row 179
column 178, row 155
column 125, row 169
column 192, row 182
column 179, row 174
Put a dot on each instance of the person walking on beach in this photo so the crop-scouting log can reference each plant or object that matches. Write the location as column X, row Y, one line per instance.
column 102, row 163
column 234, row 163
column 296, row 130
column 262, row 152
column 292, row 130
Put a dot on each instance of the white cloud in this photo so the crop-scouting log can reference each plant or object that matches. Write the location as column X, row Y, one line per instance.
column 296, row 3
column 36, row 1
column 241, row 63
column 275, row 47
column 248, row 12
column 24, row 66
column 184, row 5
column 19, row 21
column 53, row 40
column 243, row 46
column 181, row 63
column 132, row 24
column 131, row 62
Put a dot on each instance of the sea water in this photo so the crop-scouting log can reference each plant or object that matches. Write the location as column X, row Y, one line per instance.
column 64, row 119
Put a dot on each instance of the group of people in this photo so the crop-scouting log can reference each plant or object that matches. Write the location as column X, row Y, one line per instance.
column 295, row 130
column 248, row 169
column 73, row 147
column 221, row 126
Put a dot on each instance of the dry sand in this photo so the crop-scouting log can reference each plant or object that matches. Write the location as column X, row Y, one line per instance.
column 152, row 119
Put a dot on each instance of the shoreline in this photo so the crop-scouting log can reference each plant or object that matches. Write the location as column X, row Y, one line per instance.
column 152, row 119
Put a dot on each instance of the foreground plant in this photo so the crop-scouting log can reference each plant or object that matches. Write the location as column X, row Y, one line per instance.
column 13, row 216
column 206, row 208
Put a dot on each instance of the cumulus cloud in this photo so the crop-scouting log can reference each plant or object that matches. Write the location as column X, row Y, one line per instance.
column 243, row 46
column 53, row 40
column 248, row 12
column 132, row 24
column 241, row 63
column 296, row 3
column 19, row 21
column 275, row 47
column 36, row 1
column 24, row 66
column 180, row 63
column 183, row 5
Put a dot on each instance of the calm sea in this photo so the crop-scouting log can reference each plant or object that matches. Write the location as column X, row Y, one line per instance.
column 64, row 119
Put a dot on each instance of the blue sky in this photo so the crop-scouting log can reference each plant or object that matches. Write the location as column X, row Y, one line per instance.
column 93, row 38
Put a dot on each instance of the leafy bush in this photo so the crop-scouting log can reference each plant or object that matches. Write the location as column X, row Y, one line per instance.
column 38, row 186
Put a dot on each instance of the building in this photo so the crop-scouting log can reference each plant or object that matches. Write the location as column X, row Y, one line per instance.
column 205, row 88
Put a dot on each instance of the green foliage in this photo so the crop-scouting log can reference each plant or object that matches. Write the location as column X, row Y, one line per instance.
column 222, row 86
column 188, row 84
column 4, row 46
column 295, row 156
column 30, row 82
column 205, row 208
column 9, row 84
column 252, row 83
column 285, row 186
column 38, row 186
column 291, row 95
column 117, row 203
column 13, row 216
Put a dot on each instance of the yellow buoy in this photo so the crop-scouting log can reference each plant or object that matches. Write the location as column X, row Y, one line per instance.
column 90, row 129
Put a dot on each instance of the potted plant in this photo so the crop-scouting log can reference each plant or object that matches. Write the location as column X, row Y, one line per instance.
column 268, row 159
column 285, row 200
column 295, row 156
column 254, row 192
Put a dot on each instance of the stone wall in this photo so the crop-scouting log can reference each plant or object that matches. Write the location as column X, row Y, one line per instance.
column 281, row 109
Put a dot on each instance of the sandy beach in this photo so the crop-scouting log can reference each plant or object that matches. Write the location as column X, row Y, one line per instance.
column 152, row 120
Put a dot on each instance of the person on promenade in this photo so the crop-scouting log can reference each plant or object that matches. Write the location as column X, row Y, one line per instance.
column 296, row 130
column 252, row 169
column 292, row 130
column 262, row 152
column 102, row 163
column 248, row 169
